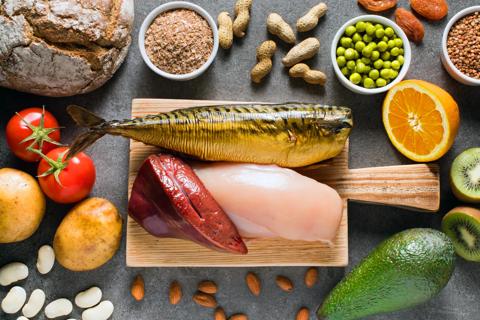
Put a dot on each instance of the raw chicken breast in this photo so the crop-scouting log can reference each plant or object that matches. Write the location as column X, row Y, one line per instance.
column 269, row 201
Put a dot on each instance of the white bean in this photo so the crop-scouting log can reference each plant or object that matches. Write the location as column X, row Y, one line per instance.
column 22, row 318
column 58, row 308
column 101, row 312
column 35, row 303
column 14, row 300
column 46, row 259
column 13, row 272
column 88, row 298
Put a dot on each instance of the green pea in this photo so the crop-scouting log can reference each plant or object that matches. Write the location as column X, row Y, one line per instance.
column 386, row 55
column 367, row 51
column 394, row 74
column 396, row 65
column 381, row 82
column 360, row 26
column 374, row 74
column 389, row 32
column 368, row 69
column 385, row 73
column 391, row 44
column 355, row 78
column 378, row 64
column 375, row 55
column 395, row 52
column 351, row 65
column 340, row 51
column 401, row 60
column 366, row 60
column 359, row 45
column 378, row 26
column 346, row 42
column 350, row 30
column 356, row 37
column 385, row 39
column 367, row 38
column 350, row 54
column 382, row 46
column 370, row 30
column 368, row 83
column 360, row 68
column 357, row 55
column 401, row 51
column 379, row 33
column 341, row 61
column 398, row 43
column 345, row 71
column 387, row 64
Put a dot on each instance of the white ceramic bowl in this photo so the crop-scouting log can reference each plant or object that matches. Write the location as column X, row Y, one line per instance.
column 387, row 23
column 171, row 6
column 447, row 63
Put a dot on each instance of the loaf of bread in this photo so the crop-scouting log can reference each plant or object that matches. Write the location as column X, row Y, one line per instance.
column 62, row 47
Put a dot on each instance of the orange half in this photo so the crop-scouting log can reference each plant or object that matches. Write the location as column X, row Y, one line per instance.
column 421, row 120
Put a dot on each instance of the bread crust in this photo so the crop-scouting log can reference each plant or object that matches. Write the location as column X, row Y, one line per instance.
column 62, row 47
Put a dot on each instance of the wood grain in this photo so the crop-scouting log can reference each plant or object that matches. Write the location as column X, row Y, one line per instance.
column 414, row 186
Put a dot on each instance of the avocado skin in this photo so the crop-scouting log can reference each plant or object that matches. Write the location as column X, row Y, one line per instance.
column 405, row 270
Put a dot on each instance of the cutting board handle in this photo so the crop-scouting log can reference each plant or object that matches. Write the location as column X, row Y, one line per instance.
column 413, row 186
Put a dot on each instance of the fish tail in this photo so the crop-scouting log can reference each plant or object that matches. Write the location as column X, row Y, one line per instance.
column 84, row 118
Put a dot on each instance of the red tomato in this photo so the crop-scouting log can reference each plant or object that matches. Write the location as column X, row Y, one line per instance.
column 26, row 129
column 66, row 182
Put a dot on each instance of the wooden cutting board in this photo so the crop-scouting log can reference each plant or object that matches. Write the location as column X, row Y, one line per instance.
column 412, row 186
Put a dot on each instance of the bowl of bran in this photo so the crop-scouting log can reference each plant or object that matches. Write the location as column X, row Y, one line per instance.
column 178, row 40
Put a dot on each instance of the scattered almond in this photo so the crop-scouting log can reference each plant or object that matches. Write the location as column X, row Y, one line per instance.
column 208, row 286
column 311, row 277
column 284, row 283
column 138, row 288
column 303, row 314
column 253, row 283
column 205, row 300
column 175, row 294
column 238, row 316
column 219, row 314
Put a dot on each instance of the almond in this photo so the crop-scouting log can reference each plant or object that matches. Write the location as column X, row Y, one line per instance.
column 284, row 283
column 253, row 283
column 208, row 286
column 205, row 300
column 175, row 294
column 238, row 316
column 219, row 314
column 303, row 314
column 138, row 288
column 311, row 277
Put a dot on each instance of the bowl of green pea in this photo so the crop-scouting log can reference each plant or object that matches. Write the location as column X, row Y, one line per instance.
column 370, row 54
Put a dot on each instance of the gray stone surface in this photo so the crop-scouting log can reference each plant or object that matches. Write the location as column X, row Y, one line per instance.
column 228, row 79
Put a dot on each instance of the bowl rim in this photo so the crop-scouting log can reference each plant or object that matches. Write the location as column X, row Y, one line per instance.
column 172, row 5
column 387, row 22
column 461, row 14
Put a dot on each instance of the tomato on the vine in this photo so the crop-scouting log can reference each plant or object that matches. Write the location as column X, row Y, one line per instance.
column 66, row 181
column 33, row 128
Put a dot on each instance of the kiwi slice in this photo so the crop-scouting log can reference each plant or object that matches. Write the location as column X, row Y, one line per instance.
column 465, row 176
column 462, row 225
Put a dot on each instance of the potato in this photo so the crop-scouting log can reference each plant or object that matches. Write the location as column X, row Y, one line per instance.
column 89, row 235
column 22, row 205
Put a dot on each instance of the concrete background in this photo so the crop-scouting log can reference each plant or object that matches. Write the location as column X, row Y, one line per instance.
column 228, row 79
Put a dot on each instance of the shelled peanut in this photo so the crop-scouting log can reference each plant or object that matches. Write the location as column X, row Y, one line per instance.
column 310, row 20
column 302, row 51
column 301, row 70
column 265, row 53
column 278, row 27
column 242, row 17
column 225, row 30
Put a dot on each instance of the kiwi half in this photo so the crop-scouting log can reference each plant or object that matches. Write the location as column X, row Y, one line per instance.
column 465, row 176
column 462, row 225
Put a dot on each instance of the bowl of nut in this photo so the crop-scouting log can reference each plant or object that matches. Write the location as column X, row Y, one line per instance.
column 178, row 40
column 370, row 54
column 461, row 46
